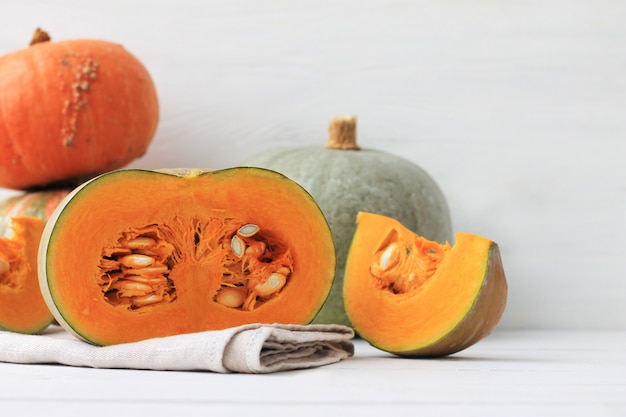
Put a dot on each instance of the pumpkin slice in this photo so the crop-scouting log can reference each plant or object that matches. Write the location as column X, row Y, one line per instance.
column 136, row 254
column 22, row 307
column 414, row 297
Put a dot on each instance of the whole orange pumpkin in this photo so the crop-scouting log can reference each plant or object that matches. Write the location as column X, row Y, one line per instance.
column 70, row 110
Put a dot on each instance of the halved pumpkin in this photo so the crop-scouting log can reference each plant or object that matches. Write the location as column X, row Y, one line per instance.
column 413, row 297
column 136, row 254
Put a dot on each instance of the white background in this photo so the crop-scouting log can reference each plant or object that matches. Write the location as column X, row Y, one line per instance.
column 517, row 109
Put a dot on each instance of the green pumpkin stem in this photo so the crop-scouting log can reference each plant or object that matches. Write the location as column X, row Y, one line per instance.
column 39, row 36
column 342, row 133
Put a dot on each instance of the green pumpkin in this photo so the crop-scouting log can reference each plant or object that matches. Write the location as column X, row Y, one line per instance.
column 345, row 179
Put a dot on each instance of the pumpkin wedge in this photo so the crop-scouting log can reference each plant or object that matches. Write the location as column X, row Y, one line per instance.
column 22, row 307
column 135, row 254
column 22, row 218
column 414, row 297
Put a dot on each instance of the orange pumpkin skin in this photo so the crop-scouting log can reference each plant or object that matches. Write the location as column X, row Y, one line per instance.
column 135, row 254
column 416, row 298
column 71, row 110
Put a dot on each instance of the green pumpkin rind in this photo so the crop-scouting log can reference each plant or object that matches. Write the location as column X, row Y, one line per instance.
column 344, row 182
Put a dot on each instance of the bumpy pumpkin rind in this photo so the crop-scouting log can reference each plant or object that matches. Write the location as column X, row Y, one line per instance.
column 71, row 110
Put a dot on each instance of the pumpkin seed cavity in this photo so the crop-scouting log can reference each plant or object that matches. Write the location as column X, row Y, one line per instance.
column 402, row 266
column 135, row 273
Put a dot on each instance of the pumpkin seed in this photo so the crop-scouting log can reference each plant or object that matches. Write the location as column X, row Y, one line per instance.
column 136, row 260
column 284, row 271
column 147, row 299
column 237, row 245
column 140, row 243
column 271, row 285
column 131, row 288
column 147, row 252
column 232, row 297
column 255, row 248
column 389, row 257
column 248, row 230
column 152, row 281
column 156, row 270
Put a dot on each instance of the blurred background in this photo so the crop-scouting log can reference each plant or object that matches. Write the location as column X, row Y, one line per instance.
column 517, row 109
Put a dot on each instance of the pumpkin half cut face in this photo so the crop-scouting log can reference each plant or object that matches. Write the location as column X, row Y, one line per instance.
column 137, row 254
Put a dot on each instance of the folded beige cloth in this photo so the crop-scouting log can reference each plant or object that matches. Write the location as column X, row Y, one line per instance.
column 254, row 348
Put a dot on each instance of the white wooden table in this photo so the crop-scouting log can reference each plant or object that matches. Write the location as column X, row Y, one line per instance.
column 511, row 373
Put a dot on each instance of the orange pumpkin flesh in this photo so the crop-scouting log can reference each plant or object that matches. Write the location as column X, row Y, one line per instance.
column 70, row 110
column 210, row 269
column 414, row 297
column 22, row 307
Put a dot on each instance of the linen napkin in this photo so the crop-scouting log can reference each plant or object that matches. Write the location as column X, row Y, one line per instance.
column 252, row 348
